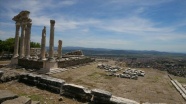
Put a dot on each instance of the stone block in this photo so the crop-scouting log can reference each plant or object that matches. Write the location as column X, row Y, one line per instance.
column 101, row 93
column 6, row 95
column 14, row 61
column 47, row 66
column 101, row 96
column 1, row 73
column 19, row 100
column 76, row 91
column 35, row 102
column 120, row 100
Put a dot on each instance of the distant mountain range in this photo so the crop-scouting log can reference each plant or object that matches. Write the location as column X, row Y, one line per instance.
column 115, row 52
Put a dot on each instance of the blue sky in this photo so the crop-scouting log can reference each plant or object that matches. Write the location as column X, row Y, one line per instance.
column 115, row 24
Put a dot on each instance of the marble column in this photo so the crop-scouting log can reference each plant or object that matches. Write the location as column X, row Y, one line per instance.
column 51, row 47
column 16, row 45
column 22, row 45
column 43, row 43
column 59, row 49
column 27, row 40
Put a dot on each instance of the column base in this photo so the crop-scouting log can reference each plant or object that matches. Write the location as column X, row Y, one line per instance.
column 16, row 56
column 47, row 66
column 27, row 57
column 14, row 61
column 42, row 59
column 51, row 59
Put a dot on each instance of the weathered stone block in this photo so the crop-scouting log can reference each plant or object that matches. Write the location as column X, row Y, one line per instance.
column 101, row 93
column 19, row 100
column 120, row 100
column 6, row 95
column 76, row 91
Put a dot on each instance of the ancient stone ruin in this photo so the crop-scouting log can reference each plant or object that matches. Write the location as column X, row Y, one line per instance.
column 43, row 63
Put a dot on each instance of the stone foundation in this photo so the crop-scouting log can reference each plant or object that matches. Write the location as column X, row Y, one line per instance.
column 31, row 64
column 73, row 62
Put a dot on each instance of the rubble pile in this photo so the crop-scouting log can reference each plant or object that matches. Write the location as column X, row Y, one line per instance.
column 127, row 73
column 78, row 52
column 109, row 68
column 6, row 76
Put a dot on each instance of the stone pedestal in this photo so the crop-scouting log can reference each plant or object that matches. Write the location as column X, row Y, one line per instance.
column 14, row 61
column 47, row 66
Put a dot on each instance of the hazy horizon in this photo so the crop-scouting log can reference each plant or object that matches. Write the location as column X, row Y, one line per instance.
column 112, row 24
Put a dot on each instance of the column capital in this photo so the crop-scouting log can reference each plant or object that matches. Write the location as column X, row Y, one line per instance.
column 52, row 22
column 23, row 24
column 29, row 24
column 18, row 23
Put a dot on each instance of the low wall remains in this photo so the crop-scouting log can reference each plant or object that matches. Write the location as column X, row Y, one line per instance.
column 59, row 86
column 72, row 62
column 30, row 64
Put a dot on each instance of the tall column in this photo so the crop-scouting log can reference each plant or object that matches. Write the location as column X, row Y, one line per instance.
column 59, row 49
column 51, row 47
column 27, row 40
column 22, row 47
column 16, row 45
column 43, row 42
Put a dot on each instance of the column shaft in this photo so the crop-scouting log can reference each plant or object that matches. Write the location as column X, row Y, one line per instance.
column 59, row 49
column 22, row 46
column 43, row 42
column 27, row 41
column 16, row 45
column 51, row 48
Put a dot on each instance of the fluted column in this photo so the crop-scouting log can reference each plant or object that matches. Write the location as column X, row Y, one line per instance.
column 16, row 44
column 51, row 47
column 59, row 49
column 43, row 42
column 22, row 47
column 27, row 40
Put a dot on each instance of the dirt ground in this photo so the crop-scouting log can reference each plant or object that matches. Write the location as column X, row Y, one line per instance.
column 155, row 87
column 4, row 62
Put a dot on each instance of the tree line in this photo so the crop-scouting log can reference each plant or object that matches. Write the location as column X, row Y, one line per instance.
column 8, row 45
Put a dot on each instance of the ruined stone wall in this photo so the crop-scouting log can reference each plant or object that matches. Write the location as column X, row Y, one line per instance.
column 59, row 86
column 73, row 62
column 30, row 64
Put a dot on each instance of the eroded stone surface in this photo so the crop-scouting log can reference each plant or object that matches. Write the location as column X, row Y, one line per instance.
column 7, row 95
column 120, row 100
column 19, row 100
